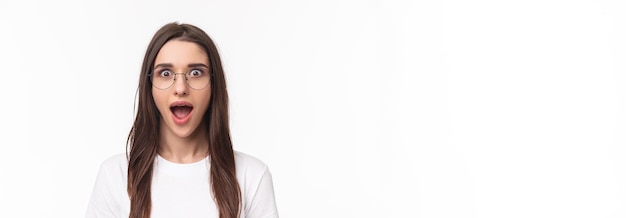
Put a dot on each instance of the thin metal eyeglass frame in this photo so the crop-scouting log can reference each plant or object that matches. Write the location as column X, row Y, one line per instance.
column 174, row 81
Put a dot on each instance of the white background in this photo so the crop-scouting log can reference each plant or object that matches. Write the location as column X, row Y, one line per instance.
column 360, row 108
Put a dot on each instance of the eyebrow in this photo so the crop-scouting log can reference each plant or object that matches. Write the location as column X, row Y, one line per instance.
column 168, row 65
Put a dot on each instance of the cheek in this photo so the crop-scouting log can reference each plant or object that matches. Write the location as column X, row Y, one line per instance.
column 205, row 98
column 158, row 100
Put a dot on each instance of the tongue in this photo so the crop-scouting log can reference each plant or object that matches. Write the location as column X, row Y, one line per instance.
column 181, row 112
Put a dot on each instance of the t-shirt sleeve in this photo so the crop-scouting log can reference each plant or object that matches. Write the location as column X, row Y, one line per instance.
column 103, row 202
column 263, row 204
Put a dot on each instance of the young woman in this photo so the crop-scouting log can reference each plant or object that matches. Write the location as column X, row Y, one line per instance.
column 180, row 161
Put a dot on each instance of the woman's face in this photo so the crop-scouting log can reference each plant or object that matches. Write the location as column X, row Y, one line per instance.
column 182, row 107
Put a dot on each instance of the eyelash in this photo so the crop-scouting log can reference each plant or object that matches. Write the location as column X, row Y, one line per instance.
column 171, row 71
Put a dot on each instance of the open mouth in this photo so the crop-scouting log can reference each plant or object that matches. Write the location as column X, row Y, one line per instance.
column 181, row 111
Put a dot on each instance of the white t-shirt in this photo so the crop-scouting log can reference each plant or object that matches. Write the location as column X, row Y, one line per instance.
column 182, row 190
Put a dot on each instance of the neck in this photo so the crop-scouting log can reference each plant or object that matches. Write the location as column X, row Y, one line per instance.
column 188, row 149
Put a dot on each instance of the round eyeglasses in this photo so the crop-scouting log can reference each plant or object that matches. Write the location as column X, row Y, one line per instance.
column 195, row 78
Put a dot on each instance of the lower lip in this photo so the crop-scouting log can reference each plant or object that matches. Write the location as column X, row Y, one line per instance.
column 181, row 121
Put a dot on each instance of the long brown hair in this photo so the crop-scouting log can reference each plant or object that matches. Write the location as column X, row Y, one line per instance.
column 143, row 139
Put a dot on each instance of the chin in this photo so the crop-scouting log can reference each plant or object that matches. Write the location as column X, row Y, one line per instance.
column 182, row 132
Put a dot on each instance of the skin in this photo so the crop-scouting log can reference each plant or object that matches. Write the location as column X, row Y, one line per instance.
column 186, row 143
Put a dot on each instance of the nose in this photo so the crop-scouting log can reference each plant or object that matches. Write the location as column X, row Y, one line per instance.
column 180, row 85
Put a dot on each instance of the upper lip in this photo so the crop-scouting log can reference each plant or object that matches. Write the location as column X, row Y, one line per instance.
column 180, row 104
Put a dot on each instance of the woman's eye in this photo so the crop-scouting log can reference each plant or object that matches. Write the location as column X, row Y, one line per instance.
column 195, row 73
column 165, row 73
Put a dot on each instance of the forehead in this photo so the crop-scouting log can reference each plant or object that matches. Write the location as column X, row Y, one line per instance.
column 181, row 53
